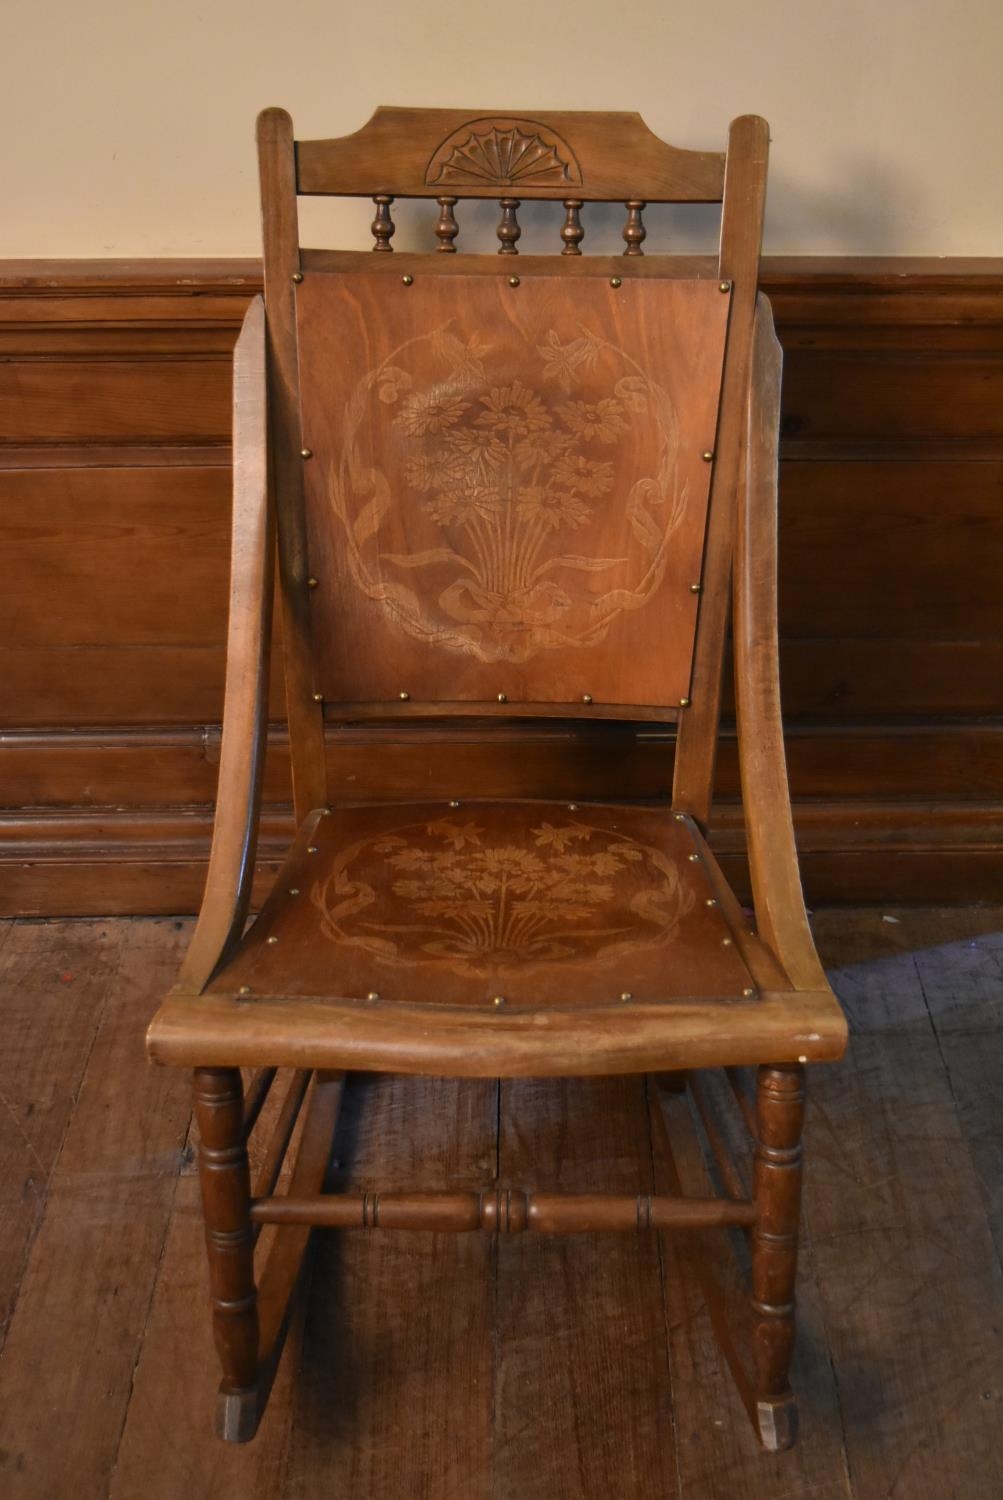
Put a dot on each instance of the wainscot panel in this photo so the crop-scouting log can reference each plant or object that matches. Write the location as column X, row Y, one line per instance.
column 114, row 475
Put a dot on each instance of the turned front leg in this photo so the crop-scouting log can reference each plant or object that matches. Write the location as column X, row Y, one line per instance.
column 226, row 1195
column 777, row 1185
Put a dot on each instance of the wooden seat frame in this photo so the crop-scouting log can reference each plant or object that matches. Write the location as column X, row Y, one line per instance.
column 407, row 153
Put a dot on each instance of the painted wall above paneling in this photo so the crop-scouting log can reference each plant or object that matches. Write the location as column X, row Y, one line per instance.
column 134, row 123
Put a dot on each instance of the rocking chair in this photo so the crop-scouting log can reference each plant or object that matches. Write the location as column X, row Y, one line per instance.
column 503, row 488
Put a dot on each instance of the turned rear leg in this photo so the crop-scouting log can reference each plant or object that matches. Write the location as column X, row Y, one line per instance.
column 226, row 1193
column 777, row 1186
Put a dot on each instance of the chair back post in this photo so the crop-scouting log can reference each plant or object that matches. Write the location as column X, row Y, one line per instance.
column 277, row 166
column 741, row 241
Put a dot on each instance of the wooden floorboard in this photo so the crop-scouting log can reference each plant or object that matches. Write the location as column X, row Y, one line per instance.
column 458, row 1368
column 963, row 988
column 78, row 1323
column 899, row 1213
column 394, row 1393
column 583, row 1405
column 54, row 979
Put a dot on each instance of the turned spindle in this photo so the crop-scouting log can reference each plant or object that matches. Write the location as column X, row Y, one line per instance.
column 508, row 226
column 572, row 232
column 383, row 226
column 446, row 228
column 634, row 231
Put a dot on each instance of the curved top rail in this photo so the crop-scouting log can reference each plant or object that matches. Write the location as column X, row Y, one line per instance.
column 586, row 155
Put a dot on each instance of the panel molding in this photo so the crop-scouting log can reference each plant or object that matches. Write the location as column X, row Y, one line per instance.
column 93, row 862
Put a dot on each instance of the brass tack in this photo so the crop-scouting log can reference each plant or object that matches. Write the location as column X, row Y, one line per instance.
column 748, row 991
column 311, row 848
column 696, row 588
column 614, row 282
column 502, row 698
column 680, row 817
column 273, row 939
column 572, row 807
column 373, row 995
column 404, row 697
column 708, row 456
column 498, row 1000
column 586, row 697
column 297, row 276
column 726, row 942
column 710, row 901
column 306, row 453
column 294, row 890
column 311, row 583
column 724, row 286
column 408, row 280
column 694, row 857
column 626, row 997
column 803, row 1058
column 318, row 697
column 684, row 703
column 454, row 804
column 245, row 989
column 512, row 281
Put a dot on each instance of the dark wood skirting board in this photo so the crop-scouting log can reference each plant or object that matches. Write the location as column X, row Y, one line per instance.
column 114, row 498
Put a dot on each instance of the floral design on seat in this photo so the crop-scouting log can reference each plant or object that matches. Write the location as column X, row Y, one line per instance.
column 524, row 463
column 438, row 891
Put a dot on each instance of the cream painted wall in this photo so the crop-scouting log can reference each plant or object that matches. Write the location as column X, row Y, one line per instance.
column 129, row 124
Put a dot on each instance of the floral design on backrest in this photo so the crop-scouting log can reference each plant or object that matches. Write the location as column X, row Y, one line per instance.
column 519, row 478
column 440, row 892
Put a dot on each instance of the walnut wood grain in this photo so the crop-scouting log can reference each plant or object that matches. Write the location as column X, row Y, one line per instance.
column 417, row 152
column 226, row 1195
column 779, row 903
column 779, row 1123
column 231, row 863
column 505, row 1211
column 277, row 169
column 738, row 267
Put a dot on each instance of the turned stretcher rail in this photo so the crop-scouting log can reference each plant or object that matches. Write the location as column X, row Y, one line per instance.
column 502, row 1211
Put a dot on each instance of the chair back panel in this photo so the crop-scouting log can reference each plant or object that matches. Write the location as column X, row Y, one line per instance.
column 507, row 488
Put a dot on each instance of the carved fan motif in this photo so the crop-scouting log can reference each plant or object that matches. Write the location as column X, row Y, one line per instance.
column 501, row 156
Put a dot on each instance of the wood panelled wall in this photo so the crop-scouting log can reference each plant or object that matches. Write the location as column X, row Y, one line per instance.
column 114, row 415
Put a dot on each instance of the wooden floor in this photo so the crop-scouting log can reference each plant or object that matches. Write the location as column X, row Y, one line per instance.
column 526, row 1369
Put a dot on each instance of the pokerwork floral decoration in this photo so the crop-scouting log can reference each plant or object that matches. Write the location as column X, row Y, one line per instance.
column 443, row 891
column 523, row 481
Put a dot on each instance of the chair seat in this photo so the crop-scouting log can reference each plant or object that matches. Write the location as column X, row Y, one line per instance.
column 496, row 938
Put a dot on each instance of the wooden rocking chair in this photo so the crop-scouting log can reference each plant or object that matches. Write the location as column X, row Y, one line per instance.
column 503, row 489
